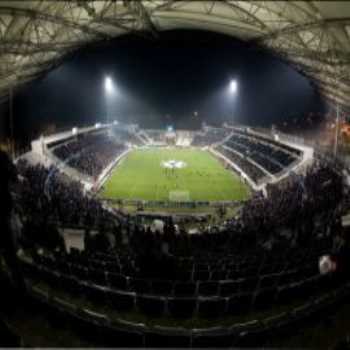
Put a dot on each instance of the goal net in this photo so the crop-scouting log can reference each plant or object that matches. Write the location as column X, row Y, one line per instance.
column 179, row 196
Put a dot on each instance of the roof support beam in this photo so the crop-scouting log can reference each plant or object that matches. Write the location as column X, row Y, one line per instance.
column 141, row 14
column 333, row 94
column 36, row 15
column 292, row 29
column 25, row 48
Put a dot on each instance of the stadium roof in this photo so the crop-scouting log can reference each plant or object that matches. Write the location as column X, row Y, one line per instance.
column 313, row 36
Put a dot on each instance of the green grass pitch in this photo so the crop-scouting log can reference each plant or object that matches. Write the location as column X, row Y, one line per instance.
column 141, row 175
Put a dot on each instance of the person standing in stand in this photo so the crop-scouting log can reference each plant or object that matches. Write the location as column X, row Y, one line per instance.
column 8, row 247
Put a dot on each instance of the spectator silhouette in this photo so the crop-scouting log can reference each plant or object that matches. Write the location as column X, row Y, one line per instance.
column 8, row 248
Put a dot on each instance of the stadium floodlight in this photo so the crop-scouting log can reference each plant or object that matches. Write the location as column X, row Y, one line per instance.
column 109, row 89
column 109, row 85
column 233, row 86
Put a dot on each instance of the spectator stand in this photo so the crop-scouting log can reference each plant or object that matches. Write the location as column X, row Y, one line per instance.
column 106, row 173
column 303, row 156
column 244, row 176
column 248, row 263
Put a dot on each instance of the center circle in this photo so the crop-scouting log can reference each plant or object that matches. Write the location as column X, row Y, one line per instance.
column 173, row 164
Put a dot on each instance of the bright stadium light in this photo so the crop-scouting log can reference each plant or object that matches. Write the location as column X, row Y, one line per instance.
column 109, row 85
column 233, row 86
column 109, row 89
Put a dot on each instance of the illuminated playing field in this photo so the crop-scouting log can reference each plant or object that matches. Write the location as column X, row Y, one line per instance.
column 173, row 174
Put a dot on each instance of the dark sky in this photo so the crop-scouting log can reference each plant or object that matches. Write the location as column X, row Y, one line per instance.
column 163, row 81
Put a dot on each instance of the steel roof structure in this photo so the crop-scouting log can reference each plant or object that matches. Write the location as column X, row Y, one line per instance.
column 312, row 36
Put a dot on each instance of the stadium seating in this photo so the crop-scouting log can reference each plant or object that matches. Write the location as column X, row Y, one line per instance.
column 254, row 172
column 151, row 305
column 172, row 337
column 211, row 307
column 162, row 287
column 239, row 304
column 264, row 259
column 121, row 301
column 8, row 338
column 185, row 289
column 182, row 307
column 89, row 154
column 210, row 136
column 253, row 152
column 212, row 337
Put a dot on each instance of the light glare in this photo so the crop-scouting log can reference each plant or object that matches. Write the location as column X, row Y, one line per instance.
column 109, row 85
column 233, row 86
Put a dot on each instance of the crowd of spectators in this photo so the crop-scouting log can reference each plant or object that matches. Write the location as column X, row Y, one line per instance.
column 210, row 136
column 48, row 199
column 294, row 215
column 274, row 237
column 298, row 207
column 90, row 154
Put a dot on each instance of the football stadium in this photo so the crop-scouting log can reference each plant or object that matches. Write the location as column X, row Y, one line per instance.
column 175, row 174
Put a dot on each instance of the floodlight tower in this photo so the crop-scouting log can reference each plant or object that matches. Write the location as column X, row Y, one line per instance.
column 109, row 90
column 233, row 87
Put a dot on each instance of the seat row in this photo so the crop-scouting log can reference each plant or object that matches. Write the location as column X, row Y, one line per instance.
column 231, row 302
column 104, row 331
column 270, row 141
column 267, row 156
column 249, row 168
column 222, row 287
column 257, row 260
column 281, row 152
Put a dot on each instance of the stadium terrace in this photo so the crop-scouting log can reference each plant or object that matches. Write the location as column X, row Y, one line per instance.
column 222, row 234
column 153, row 263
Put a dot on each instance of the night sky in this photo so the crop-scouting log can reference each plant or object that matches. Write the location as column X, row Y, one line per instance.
column 163, row 81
